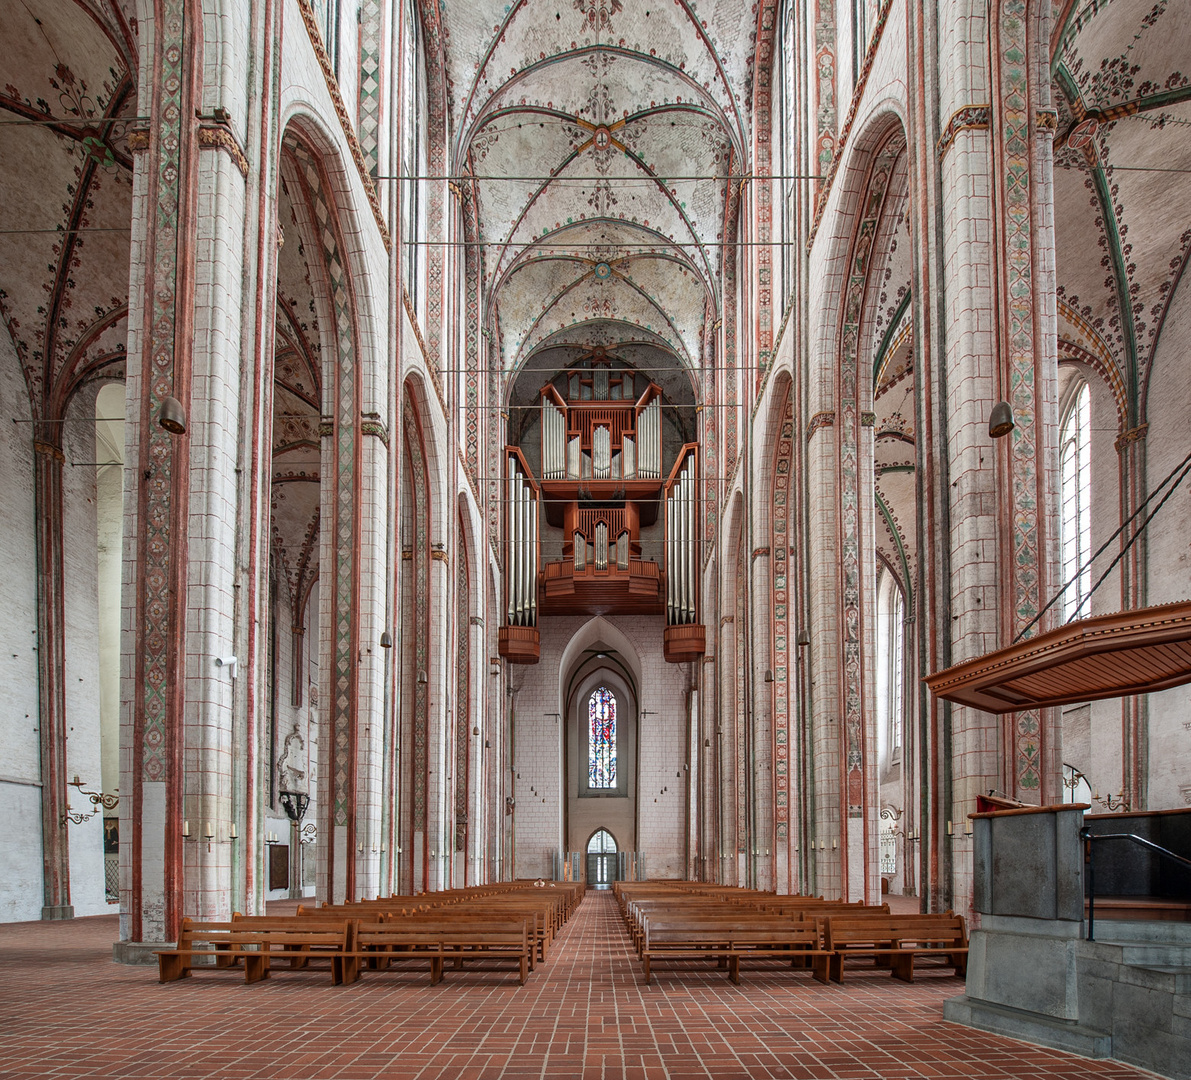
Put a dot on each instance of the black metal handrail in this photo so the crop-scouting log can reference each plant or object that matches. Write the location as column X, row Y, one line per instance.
column 1086, row 834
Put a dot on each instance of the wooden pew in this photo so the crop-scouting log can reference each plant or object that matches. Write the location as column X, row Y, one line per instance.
column 895, row 940
column 232, row 942
column 381, row 943
column 728, row 940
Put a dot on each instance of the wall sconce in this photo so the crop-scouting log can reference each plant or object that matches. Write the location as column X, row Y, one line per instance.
column 476, row 730
column 768, row 675
column 968, row 828
column 209, row 835
column 422, row 680
column 386, row 640
column 172, row 416
column 1113, row 803
column 233, row 833
column 950, row 829
column 228, row 662
column 272, row 838
column 1000, row 420
column 802, row 639
column 98, row 798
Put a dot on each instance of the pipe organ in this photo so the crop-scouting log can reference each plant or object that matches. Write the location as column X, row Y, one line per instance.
column 519, row 639
column 603, row 481
column 593, row 440
column 684, row 636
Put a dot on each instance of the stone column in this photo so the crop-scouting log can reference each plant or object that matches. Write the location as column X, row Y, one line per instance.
column 156, row 501
column 217, row 673
column 48, row 460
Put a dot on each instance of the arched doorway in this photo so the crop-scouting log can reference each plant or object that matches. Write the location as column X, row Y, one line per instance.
column 601, row 860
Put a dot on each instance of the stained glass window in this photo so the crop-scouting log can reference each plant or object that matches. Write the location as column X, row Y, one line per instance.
column 601, row 739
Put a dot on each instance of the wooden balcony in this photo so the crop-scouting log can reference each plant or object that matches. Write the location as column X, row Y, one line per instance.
column 683, row 643
column 519, row 644
column 635, row 591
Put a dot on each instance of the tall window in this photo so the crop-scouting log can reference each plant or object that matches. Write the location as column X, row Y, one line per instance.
column 601, row 739
column 1075, row 456
column 414, row 121
column 891, row 665
column 787, row 163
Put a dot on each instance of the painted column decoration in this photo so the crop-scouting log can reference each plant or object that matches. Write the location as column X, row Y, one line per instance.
column 160, row 355
column 781, row 593
column 1024, row 356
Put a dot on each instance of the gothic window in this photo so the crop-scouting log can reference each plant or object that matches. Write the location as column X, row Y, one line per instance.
column 891, row 666
column 414, row 121
column 1075, row 454
column 601, row 739
column 326, row 14
column 787, row 163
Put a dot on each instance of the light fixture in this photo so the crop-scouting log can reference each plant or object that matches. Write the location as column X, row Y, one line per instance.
column 476, row 730
column 1000, row 422
column 803, row 639
column 386, row 640
column 768, row 675
column 172, row 416
column 422, row 677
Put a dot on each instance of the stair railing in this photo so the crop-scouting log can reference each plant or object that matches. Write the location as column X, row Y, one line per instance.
column 1088, row 836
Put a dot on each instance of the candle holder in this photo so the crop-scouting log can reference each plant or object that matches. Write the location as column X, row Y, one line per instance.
column 1113, row 803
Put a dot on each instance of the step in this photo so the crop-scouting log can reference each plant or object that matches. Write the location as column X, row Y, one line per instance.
column 1138, row 931
column 1028, row 1026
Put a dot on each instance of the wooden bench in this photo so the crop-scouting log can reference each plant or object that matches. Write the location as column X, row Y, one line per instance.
column 254, row 943
column 379, row 944
column 538, row 915
column 298, row 954
column 729, row 940
column 895, row 940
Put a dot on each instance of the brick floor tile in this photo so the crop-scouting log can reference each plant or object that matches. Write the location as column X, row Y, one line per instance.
column 584, row 1015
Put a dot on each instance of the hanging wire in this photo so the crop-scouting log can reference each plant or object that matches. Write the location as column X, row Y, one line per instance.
column 1185, row 466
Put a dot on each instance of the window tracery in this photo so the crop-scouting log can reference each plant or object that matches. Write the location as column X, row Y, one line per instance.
column 1075, row 454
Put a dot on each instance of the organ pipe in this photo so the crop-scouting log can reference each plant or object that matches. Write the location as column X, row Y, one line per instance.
column 554, row 439
column 523, row 545
column 533, row 563
column 601, row 452
column 681, row 544
column 574, row 456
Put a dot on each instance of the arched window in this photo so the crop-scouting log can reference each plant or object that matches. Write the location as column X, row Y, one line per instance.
column 891, row 665
column 788, row 162
column 601, row 739
column 414, row 121
column 1075, row 455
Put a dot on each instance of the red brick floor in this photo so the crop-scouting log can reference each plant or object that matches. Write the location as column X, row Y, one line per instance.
column 67, row 1011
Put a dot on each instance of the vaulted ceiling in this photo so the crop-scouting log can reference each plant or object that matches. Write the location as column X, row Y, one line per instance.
column 602, row 135
column 1122, row 76
column 68, row 91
